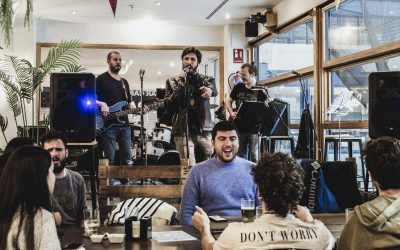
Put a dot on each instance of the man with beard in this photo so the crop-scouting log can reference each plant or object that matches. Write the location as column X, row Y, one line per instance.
column 69, row 190
column 218, row 184
column 245, row 92
column 187, row 99
column 111, row 88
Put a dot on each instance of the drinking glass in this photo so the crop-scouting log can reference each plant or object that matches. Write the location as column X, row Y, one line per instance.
column 248, row 208
column 348, row 211
column 91, row 219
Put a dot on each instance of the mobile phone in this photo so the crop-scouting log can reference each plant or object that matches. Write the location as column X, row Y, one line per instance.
column 217, row 218
column 73, row 245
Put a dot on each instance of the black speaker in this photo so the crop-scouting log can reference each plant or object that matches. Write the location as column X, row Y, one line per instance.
column 73, row 105
column 278, row 114
column 384, row 104
column 250, row 29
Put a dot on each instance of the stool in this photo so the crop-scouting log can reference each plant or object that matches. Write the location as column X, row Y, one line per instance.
column 268, row 142
column 350, row 140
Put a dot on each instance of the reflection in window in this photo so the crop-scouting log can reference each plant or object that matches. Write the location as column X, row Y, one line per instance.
column 361, row 24
column 292, row 94
column 290, row 50
column 355, row 79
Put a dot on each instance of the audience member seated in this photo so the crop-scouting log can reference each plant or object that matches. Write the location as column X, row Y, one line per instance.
column 219, row 183
column 25, row 188
column 69, row 197
column 375, row 224
column 11, row 147
column 280, row 182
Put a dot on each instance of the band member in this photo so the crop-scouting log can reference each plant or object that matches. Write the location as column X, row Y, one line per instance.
column 187, row 101
column 111, row 88
column 242, row 92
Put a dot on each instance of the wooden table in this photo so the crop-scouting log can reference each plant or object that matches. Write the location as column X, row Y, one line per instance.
column 74, row 234
column 334, row 222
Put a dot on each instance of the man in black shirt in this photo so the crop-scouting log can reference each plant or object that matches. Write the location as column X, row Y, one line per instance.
column 245, row 92
column 111, row 89
column 187, row 99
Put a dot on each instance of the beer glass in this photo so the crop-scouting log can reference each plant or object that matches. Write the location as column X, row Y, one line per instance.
column 248, row 208
column 91, row 220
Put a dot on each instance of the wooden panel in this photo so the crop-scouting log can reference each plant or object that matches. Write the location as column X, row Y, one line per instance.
column 148, row 191
column 150, row 171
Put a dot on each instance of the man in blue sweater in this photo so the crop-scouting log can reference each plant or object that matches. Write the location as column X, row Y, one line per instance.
column 218, row 184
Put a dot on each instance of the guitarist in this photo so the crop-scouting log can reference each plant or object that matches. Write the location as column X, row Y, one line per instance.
column 187, row 99
column 111, row 88
column 242, row 92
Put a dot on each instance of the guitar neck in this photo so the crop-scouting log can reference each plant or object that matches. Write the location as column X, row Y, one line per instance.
column 137, row 110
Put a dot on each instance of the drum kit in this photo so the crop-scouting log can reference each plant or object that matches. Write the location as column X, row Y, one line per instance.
column 159, row 147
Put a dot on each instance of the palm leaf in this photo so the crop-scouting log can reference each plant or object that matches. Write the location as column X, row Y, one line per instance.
column 12, row 93
column 3, row 123
column 73, row 68
column 6, row 13
column 66, row 53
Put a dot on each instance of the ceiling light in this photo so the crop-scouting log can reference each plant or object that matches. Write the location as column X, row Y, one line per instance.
column 391, row 12
column 157, row 3
column 172, row 64
column 159, row 72
column 227, row 16
column 74, row 12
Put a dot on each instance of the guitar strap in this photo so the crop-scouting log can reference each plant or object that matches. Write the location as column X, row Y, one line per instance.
column 123, row 86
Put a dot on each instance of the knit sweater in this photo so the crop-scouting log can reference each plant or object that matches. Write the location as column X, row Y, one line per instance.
column 217, row 187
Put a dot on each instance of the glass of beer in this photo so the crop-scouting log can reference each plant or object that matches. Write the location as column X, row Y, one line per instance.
column 248, row 209
column 91, row 221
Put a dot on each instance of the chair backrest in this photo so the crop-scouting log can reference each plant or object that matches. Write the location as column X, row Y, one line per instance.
column 167, row 193
column 161, row 212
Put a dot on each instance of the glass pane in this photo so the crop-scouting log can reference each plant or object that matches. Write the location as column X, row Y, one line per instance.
column 355, row 139
column 292, row 94
column 290, row 50
column 356, row 79
column 359, row 25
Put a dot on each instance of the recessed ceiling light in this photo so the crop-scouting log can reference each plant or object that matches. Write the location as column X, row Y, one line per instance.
column 391, row 12
column 227, row 16
column 159, row 72
column 395, row 66
column 74, row 12
column 172, row 64
column 157, row 3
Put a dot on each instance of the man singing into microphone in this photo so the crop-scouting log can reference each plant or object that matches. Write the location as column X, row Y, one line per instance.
column 187, row 100
column 111, row 88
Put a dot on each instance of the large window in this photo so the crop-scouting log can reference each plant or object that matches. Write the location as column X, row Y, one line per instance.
column 361, row 24
column 355, row 79
column 287, row 51
column 294, row 96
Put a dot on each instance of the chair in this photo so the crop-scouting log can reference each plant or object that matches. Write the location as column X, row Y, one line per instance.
column 161, row 212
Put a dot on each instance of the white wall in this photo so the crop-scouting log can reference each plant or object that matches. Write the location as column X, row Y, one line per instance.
column 233, row 39
column 23, row 46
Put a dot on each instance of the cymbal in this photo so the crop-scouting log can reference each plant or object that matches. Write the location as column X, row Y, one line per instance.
column 213, row 106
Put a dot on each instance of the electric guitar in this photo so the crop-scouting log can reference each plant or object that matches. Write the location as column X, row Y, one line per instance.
column 117, row 114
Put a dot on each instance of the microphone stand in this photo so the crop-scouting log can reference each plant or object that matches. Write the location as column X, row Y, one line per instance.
column 142, row 138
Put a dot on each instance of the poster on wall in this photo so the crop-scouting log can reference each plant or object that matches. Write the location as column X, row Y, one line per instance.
column 237, row 55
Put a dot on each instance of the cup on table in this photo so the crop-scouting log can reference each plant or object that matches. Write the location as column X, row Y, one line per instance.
column 248, row 208
column 259, row 211
column 347, row 212
column 91, row 219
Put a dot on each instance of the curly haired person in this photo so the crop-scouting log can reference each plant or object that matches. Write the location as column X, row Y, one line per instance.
column 280, row 182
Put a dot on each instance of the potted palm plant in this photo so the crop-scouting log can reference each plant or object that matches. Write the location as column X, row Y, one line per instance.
column 20, row 79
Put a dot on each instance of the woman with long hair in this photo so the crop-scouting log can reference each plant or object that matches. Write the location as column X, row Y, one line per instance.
column 25, row 188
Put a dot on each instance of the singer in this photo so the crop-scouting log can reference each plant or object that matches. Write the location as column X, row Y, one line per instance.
column 111, row 88
column 187, row 98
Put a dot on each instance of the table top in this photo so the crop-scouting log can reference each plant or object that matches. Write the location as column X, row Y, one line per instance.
column 334, row 222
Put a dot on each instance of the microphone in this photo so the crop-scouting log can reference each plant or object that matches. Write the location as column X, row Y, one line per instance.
column 294, row 72
column 186, row 70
